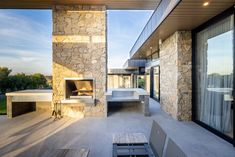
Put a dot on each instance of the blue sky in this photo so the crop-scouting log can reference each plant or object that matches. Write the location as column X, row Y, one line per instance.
column 124, row 28
column 25, row 41
column 25, row 38
column 220, row 54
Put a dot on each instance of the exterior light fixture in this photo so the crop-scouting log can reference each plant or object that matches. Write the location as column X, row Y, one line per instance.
column 206, row 4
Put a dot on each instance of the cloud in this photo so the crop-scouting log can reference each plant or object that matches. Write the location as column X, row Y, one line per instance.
column 22, row 30
column 124, row 27
column 16, row 25
column 26, row 44
column 27, row 66
column 22, row 54
column 26, row 61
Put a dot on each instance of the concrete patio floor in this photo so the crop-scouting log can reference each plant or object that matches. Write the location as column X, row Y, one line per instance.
column 31, row 134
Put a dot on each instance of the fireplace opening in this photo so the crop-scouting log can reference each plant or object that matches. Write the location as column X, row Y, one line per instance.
column 79, row 88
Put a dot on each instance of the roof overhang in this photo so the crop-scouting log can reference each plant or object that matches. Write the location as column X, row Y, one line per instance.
column 121, row 71
column 134, row 63
column 110, row 4
column 186, row 16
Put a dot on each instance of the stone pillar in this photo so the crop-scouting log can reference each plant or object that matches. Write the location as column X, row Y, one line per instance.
column 146, row 105
column 135, row 81
column 9, row 106
column 79, row 50
column 175, row 76
column 132, row 80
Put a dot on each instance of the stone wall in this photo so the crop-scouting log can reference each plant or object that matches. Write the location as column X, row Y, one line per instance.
column 184, row 46
column 175, row 82
column 79, row 50
column 168, row 75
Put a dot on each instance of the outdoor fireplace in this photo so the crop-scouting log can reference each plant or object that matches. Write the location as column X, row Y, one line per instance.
column 77, row 88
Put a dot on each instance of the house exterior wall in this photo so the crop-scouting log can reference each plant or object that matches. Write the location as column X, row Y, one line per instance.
column 79, row 50
column 168, row 75
column 175, row 76
column 184, row 75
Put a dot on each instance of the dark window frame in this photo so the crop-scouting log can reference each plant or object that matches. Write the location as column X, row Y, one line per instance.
column 152, row 83
column 226, row 13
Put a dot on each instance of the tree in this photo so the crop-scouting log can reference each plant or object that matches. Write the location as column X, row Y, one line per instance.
column 38, row 81
column 141, row 83
column 20, row 81
column 4, row 73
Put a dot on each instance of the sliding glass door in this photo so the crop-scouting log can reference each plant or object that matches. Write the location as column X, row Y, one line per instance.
column 148, row 80
column 152, row 85
column 156, row 83
column 214, row 76
column 141, row 81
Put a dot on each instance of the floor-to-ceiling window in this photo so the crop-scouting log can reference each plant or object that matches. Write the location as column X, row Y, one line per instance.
column 147, row 82
column 119, row 81
column 141, row 81
column 156, row 83
column 214, row 76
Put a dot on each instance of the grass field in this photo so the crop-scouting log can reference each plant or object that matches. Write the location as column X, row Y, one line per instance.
column 2, row 106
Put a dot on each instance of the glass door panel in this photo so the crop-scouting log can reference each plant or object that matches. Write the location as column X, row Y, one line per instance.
column 214, row 76
column 126, row 81
column 141, row 81
column 156, row 79
column 147, row 83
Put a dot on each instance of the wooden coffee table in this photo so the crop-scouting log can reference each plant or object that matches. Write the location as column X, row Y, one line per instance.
column 66, row 153
column 131, row 144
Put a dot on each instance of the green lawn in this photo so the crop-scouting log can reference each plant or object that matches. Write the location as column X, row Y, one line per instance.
column 3, row 106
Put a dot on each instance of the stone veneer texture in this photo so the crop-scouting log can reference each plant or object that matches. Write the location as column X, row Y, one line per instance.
column 79, row 51
column 176, row 82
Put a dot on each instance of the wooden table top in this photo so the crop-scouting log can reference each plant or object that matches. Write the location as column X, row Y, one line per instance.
column 129, row 138
column 66, row 153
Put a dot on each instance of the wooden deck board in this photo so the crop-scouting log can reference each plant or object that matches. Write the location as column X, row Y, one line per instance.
column 126, row 138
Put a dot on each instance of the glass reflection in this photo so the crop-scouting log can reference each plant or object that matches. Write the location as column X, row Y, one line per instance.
column 147, row 83
column 156, row 83
column 215, row 76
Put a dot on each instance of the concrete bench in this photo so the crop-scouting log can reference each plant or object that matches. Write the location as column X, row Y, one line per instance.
column 25, row 101
column 125, row 95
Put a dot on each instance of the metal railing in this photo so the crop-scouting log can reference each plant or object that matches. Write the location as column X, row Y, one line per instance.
column 152, row 63
column 130, row 63
column 160, row 13
column 121, row 71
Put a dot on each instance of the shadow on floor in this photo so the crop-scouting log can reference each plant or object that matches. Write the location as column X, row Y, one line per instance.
column 33, row 134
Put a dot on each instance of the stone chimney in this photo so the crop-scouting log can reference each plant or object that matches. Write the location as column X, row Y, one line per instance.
column 80, row 51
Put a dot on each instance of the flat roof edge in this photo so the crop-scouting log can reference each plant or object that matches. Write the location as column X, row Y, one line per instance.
column 47, row 4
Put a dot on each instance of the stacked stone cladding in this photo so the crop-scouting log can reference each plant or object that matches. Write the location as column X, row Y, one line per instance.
column 80, row 51
column 175, row 76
